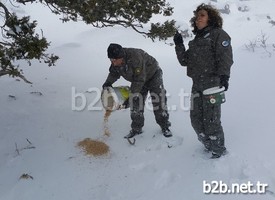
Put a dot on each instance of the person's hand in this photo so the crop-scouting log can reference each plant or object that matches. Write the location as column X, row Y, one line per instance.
column 224, row 81
column 124, row 105
column 178, row 39
column 106, row 84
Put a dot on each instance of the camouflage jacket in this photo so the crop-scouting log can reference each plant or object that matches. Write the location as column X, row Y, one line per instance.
column 139, row 67
column 209, row 54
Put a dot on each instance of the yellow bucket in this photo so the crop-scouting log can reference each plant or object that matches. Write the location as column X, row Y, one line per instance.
column 112, row 98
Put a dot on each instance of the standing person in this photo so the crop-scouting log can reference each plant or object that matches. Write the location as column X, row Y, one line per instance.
column 208, row 60
column 145, row 75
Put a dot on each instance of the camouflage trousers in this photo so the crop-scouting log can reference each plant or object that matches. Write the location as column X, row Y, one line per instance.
column 159, row 103
column 206, row 121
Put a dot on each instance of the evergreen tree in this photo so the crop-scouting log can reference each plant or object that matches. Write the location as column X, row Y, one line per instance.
column 20, row 41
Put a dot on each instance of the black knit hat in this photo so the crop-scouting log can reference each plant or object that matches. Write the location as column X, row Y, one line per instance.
column 115, row 51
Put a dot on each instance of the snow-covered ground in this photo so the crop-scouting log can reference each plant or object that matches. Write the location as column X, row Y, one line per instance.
column 40, row 124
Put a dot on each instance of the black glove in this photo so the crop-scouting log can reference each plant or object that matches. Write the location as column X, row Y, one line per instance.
column 106, row 84
column 224, row 81
column 126, row 103
column 178, row 39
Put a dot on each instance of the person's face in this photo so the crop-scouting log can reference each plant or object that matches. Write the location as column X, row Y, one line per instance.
column 117, row 62
column 202, row 19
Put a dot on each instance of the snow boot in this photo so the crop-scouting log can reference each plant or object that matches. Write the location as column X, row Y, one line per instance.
column 166, row 132
column 133, row 133
column 216, row 155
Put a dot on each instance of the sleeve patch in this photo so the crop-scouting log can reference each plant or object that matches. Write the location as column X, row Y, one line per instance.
column 138, row 70
column 225, row 43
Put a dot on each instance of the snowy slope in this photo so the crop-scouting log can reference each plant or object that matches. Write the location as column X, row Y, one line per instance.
column 39, row 121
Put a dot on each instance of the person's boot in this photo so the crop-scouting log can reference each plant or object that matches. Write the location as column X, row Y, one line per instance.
column 133, row 133
column 218, row 155
column 166, row 132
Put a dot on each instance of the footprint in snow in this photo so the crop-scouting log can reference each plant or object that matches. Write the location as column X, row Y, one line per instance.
column 162, row 142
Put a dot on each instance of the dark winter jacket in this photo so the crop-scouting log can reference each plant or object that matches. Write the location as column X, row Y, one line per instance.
column 138, row 69
column 209, row 54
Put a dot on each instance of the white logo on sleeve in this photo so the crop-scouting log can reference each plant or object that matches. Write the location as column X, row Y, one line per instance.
column 225, row 43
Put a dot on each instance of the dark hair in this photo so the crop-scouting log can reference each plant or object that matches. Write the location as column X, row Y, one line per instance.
column 215, row 19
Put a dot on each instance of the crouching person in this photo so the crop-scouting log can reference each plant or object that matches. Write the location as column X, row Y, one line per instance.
column 145, row 75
